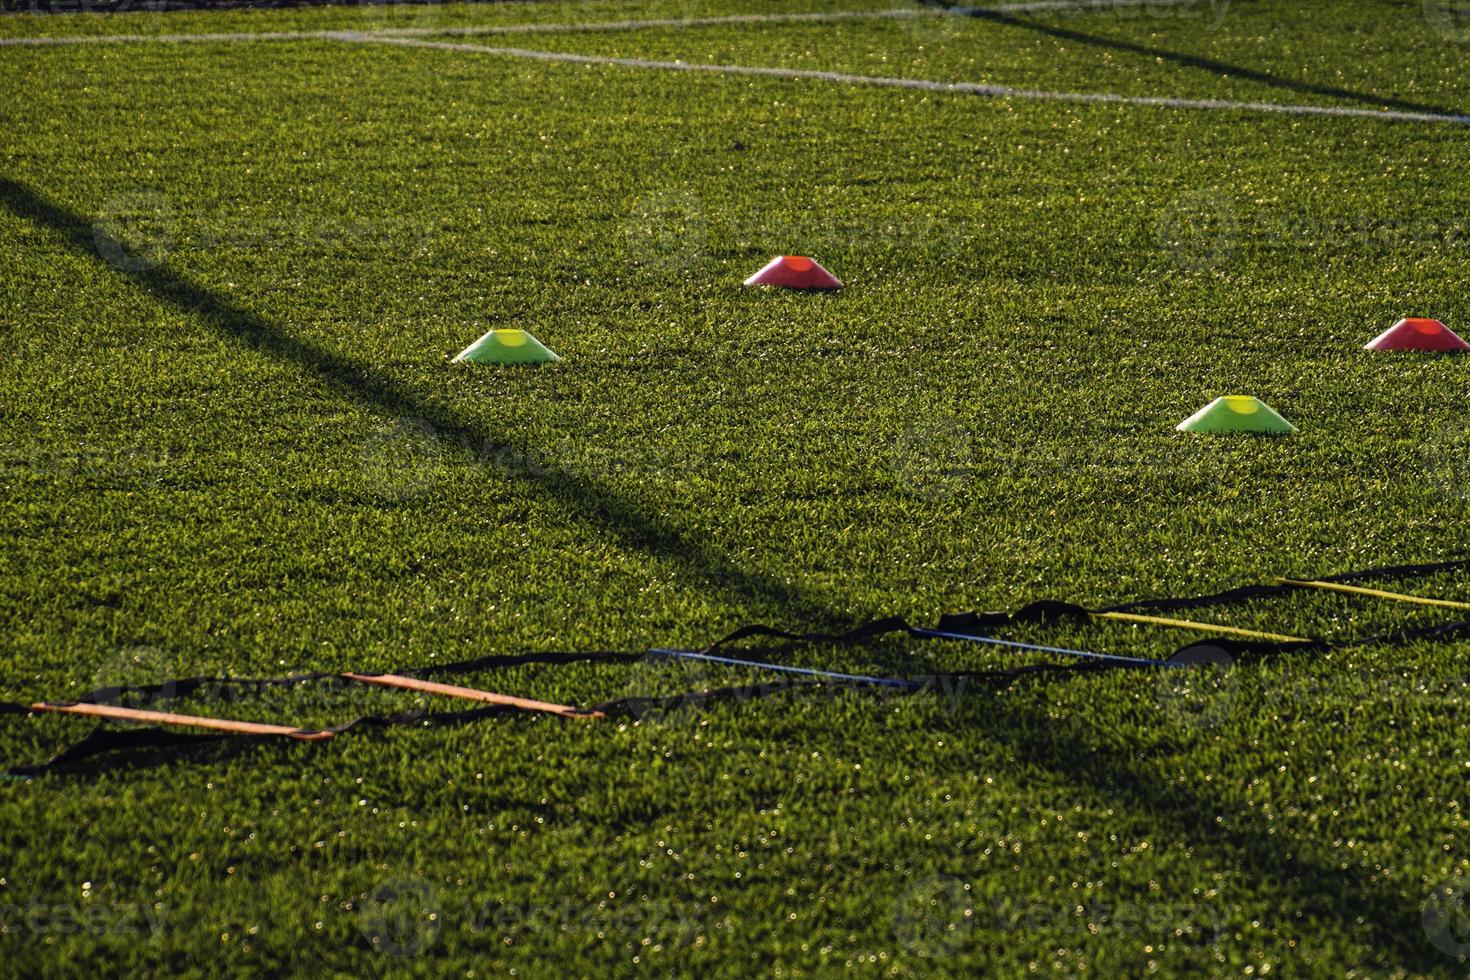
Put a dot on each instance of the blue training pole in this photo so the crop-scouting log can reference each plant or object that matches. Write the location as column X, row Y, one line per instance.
column 1107, row 657
column 806, row 671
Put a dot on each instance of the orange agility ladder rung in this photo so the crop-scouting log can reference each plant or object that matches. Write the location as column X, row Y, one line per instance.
column 470, row 694
column 185, row 721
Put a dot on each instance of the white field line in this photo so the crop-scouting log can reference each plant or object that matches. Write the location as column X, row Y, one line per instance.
column 953, row 88
column 1042, row 6
column 820, row 17
column 41, row 42
column 537, row 28
column 897, row 13
column 671, row 22
column 409, row 37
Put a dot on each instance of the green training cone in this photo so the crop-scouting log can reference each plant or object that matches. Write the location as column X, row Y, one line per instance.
column 506, row 347
column 1237, row 413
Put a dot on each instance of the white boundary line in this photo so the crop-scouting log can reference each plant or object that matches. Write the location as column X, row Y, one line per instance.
column 536, row 28
column 1043, row 6
column 413, row 37
column 818, row 17
column 954, row 88
column 895, row 13
column 43, row 42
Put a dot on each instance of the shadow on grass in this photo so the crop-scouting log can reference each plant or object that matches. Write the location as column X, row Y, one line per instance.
column 588, row 498
column 1190, row 61
column 1223, row 837
column 1389, row 924
column 1295, row 874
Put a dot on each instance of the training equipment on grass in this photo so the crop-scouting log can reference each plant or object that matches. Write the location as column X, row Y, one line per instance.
column 1237, row 413
column 1036, row 648
column 1226, row 644
column 506, row 347
column 1189, row 624
column 1375, row 593
column 786, row 668
column 402, row 683
column 1419, row 334
column 794, row 272
column 120, row 713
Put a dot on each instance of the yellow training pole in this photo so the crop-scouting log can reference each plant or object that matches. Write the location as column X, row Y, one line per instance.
column 1376, row 593
column 1202, row 627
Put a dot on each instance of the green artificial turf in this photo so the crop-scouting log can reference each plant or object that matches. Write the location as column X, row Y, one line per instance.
column 232, row 443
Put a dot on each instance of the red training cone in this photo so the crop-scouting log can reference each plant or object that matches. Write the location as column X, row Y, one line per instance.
column 1416, row 333
column 794, row 272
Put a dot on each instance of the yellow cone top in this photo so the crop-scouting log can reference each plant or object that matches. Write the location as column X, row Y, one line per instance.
column 506, row 347
column 1237, row 413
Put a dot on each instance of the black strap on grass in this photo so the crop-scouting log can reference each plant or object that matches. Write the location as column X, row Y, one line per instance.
column 1047, row 610
column 104, row 738
column 185, row 686
column 108, row 739
column 498, row 662
column 1399, row 571
column 1403, row 637
column 1250, row 592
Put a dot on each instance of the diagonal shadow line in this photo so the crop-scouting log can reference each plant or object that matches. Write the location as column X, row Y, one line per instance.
column 1339, row 895
column 1067, row 748
column 586, row 497
column 1189, row 60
